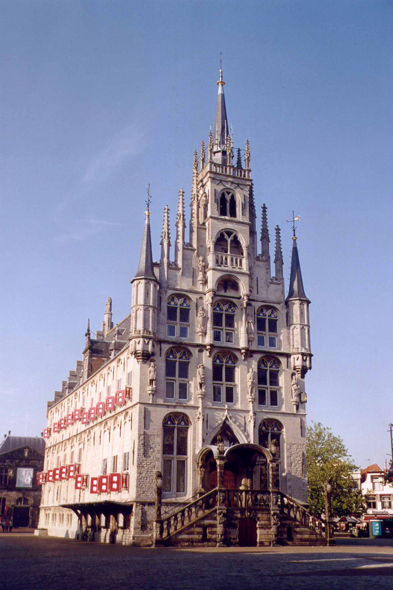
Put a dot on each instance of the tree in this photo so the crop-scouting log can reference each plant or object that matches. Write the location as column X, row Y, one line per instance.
column 328, row 461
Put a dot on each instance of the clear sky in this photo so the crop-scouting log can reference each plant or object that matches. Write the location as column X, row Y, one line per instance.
column 100, row 98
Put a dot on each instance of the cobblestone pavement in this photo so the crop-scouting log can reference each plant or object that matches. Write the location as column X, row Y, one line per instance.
column 36, row 563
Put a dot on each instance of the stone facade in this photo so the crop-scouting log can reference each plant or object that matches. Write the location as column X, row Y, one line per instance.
column 213, row 354
column 21, row 459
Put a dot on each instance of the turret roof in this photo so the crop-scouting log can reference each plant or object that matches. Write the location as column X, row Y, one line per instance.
column 145, row 266
column 296, row 289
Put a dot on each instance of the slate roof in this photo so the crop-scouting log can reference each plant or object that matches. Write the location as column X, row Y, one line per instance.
column 11, row 443
column 296, row 288
column 145, row 266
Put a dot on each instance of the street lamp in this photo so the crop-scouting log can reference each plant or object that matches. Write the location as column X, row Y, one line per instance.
column 328, row 491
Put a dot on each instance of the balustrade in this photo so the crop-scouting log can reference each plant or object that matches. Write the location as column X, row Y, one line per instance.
column 229, row 260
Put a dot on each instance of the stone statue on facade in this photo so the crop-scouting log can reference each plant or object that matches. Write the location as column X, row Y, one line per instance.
column 201, row 390
column 295, row 389
column 201, row 321
column 201, row 270
column 251, row 383
column 152, row 378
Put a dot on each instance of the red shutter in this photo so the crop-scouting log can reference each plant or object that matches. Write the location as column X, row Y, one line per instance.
column 45, row 433
column 103, row 484
column 94, row 485
column 100, row 409
column 110, row 403
column 92, row 414
column 43, row 477
column 125, row 480
column 71, row 471
column 39, row 479
column 70, row 419
column 78, row 482
column 56, row 474
column 77, row 414
column 114, row 482
column 63, row 472
column 55, row 427
column 77, row 467
column 120, row 397
column 128, row 392
column 50, row 475
column 85, row 418
column 62, row 423
column 85, row 481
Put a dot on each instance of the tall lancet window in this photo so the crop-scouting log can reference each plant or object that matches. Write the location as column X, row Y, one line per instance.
column 267, row 327
column 175, row 452
column 178, row 317
column 177, row 364
column 227, row 204
column 224, row 367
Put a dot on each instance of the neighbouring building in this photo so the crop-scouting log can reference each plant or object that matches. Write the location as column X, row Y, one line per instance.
column 378, row 494
column 21, row 459
column 186, row 421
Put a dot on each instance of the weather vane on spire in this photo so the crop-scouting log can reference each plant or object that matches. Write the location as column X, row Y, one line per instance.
column 294, row 218
column 220, row 61
column 148, row 200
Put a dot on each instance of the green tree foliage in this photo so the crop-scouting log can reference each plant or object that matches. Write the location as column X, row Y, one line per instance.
column 328, row 461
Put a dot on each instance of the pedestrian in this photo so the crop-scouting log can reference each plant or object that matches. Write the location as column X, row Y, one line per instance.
column 7, row 525
column 11, row 523
column 3, row 524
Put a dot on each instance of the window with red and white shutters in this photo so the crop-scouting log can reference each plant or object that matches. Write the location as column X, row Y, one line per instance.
column 94, row 485
column 50, row 475
column 85, row 418
column 103, row 484
column 92, row 413
column 56, row 474
column 110, row 403
column 100, row 408
column 55, row 427
column 77, row 414
column 70, row 419
column 120, row 397
column 114, row 482
column 64, row 472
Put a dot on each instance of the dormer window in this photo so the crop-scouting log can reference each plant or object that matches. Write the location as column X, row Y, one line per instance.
column 227, row 204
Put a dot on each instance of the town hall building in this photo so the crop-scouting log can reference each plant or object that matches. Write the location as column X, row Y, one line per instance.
column 186, row 421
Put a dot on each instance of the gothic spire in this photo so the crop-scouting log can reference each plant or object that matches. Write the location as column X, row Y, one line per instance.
column 265, row 234
column 296, row 289
column 202, row 158
column 239, row 160
column 181, row 215
column 166, row 234
column 145, row 266
column 278, row 260
column 221, row 121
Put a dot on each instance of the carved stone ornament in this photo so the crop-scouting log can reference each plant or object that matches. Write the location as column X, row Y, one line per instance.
column 201, row 270
column 251, row 384
column 201, row 321
column 201, row 390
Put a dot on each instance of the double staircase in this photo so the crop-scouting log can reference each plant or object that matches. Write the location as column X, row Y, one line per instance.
column 240, row 517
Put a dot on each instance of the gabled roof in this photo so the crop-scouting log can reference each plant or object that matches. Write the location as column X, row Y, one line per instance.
column 11, row 443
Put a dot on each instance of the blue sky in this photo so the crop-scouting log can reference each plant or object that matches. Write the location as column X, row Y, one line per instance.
column 101, row 98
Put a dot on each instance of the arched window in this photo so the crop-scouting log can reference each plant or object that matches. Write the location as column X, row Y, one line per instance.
column 267, row 327
column 228, row 249
column 175, row 451
column 224, row 322
column 227, row 204
column 178, row 317
column 270, row 432
column 224, row 378
column 177, row 364
column 268, row 382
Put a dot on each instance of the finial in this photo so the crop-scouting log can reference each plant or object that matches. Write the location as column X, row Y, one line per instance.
column 148, row 200
column 181, row 216
column 165, row 235
column 294, row 228
column 239, row 160
column 195, row 165
column 247, row 155
column 88, row 328
column 221, row 81
column 202, row 156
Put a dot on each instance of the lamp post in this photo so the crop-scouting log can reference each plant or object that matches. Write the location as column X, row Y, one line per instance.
column 328, row 491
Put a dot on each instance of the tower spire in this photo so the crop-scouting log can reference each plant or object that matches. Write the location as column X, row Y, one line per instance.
column 296, row 288
column 180, row 229
column 221, row 121
column 145, row 266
